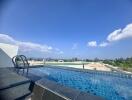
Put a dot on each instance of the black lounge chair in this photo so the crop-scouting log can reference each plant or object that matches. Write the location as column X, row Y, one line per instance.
column 20, row 62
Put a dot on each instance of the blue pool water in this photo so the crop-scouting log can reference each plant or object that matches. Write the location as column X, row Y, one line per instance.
column 107, row 86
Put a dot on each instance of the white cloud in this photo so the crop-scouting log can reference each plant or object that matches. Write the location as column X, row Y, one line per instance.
column 116, row 35
column 7, row 39
column 120, row 34
column 75, row 45
column 103, row 44
column 28, row 46
column 59, row 51
column 92, row 44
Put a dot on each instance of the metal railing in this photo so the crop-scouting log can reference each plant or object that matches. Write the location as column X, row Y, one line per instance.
column 20, row 62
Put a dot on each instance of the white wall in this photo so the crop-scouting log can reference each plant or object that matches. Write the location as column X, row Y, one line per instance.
column 7, row 51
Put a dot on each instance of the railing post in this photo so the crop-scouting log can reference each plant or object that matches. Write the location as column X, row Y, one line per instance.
column 83, row 66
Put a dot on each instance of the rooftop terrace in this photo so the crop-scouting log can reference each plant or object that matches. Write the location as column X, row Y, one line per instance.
column 20, row 86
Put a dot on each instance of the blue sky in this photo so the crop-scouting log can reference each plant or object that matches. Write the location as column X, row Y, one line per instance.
column 68, row 28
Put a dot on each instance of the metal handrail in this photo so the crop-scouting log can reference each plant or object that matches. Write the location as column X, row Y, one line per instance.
column 24, row 61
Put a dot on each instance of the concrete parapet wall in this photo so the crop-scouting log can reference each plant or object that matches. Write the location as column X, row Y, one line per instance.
column 7, row 51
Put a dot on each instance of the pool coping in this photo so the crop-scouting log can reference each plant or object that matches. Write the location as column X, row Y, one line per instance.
column 65, row 92
column 116, row 74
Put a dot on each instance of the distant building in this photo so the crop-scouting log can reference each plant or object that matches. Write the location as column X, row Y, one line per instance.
column 60, row 60
column 75, row 59
column 7, row 51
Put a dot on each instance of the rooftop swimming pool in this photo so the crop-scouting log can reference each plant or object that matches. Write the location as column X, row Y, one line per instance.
column 111, row 86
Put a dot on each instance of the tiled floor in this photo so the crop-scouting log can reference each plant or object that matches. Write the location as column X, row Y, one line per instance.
column 12, row 85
